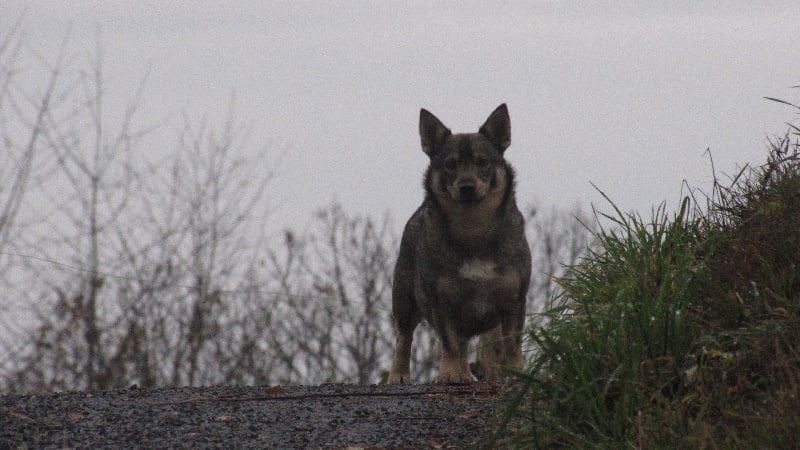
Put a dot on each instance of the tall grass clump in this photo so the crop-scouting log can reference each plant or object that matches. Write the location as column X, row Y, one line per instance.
column 677, row 331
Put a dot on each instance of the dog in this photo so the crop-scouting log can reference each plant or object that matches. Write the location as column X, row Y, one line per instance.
column 464, row 262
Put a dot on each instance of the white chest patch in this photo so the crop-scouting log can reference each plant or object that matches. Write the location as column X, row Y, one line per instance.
column 478, row 270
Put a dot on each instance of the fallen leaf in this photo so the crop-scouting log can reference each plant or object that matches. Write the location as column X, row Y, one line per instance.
column 274, row 390
column 76, row 415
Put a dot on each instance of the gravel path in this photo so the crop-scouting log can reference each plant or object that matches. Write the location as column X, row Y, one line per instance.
column 327, row 416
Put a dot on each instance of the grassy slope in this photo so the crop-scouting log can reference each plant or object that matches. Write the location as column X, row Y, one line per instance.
column 682, row 331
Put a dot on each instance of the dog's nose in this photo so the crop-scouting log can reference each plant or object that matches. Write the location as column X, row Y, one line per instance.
column 466, row 189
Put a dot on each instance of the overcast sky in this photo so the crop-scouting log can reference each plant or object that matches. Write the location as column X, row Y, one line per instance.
column 618, row 94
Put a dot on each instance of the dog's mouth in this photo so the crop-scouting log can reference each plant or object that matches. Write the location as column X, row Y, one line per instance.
column 468, row 192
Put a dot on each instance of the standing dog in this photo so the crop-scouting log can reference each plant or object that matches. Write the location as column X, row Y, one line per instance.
column 464, row 262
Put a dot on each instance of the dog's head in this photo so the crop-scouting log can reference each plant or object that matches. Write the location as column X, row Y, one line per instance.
column 465, row 169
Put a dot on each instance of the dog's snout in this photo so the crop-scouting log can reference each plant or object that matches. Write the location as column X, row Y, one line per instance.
column 466, row 185
column 467, row 189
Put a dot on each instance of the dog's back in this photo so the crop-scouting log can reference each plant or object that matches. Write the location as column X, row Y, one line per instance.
column 464, row 262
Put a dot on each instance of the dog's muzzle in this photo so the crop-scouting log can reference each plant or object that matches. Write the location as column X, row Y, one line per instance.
column 467, row 191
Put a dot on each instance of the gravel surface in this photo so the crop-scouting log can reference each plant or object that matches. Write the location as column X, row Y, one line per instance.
column 327, row 416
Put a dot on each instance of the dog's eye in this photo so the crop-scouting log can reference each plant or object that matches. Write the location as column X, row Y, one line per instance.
column 451, row 164
column 482, row 163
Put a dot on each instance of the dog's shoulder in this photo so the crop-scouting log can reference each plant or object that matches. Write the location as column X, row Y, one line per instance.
column 414, row 227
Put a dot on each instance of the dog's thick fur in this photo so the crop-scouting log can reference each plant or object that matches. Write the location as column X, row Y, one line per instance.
column 464, row 262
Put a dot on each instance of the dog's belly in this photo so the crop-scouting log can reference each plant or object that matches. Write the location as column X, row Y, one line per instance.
column 478, row 295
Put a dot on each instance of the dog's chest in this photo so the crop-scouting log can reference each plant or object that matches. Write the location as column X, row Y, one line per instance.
column 479, row 290
column 479, row 270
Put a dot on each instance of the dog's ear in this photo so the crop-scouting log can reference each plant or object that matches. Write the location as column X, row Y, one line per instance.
column 432, row 131
column 498, row 128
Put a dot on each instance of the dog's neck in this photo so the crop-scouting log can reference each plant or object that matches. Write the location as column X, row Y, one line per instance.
column 473, row 226
column 474, row 223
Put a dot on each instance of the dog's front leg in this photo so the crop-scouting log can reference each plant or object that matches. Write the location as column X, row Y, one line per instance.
column 501, row 346
column 491, row 354
column 454, row 368
column 513, row 326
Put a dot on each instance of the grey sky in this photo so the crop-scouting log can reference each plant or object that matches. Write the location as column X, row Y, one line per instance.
column 624, row 96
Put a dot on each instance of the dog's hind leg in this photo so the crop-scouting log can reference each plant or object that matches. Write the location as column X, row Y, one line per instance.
column 406, row 317
column 400, row 372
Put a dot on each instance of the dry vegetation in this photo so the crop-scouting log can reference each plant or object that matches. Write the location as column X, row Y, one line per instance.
column 129, row 260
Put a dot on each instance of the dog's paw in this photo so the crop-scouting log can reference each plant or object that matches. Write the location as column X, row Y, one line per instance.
column 398, row 378
column 455, row 377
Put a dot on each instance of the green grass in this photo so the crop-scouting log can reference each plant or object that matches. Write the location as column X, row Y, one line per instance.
column 677, row 331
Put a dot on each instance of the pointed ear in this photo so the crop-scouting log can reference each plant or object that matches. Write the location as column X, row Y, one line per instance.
column 432, row 131
column 498, row 128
